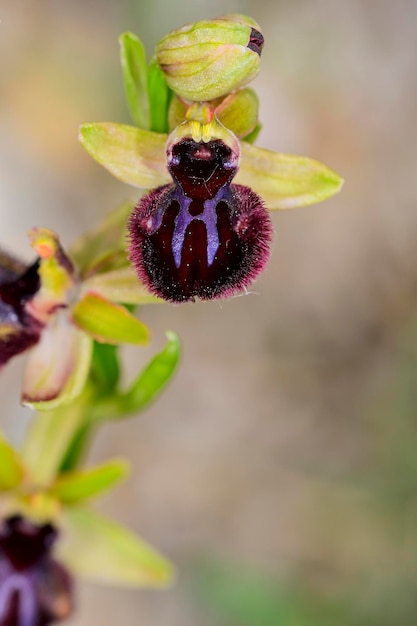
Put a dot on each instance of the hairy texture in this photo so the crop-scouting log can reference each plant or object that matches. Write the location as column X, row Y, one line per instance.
column 35, row 590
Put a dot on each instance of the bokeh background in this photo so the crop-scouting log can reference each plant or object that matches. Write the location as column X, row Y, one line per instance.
column 279, row 471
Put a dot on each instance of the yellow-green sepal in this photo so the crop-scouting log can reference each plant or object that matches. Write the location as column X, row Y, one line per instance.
column 108, row 322
column 99, row 548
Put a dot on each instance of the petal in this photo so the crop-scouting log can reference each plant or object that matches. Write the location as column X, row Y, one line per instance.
column 108, row 322
column 95, row 546
column 285, row 181
column 132, row 155
column 72, row 487
column 133, row 60
column 120, row 286
column 58, row 366
column 56, row 273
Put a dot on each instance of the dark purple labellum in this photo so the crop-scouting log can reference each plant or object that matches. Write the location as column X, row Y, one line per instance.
column 35, row 590
column 256, row 41
column 200, row 236
column 18, row 330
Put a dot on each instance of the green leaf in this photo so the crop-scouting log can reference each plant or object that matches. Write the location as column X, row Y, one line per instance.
column 94, row 546
column 132, row 155
column 58, row 366
column 146, row 388
column 284, row 181
column 11, row 469
column 133, row 60
column 104, row 247
column 79, row 485
column 120, row 286
column 105, row 371
column 108, row 322
column 159, row 98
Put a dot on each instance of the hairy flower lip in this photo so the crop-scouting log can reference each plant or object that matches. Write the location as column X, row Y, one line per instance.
column 200, row 236
column 35, row 590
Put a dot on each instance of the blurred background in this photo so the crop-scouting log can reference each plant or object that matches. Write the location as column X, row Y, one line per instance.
column 279, row 470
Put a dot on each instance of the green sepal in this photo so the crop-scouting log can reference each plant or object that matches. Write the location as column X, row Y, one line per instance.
column 11, row 468
column 132, row 155
column 133, row 60
column 159, row 98
column 146, row 388
column 72, row 487
column 95, row 546
column 103, row 249
column 108, row 322
column 285, row 181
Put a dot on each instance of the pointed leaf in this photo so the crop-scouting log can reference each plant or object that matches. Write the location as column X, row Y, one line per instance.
column 146, row 388
column 74, row 486
column 57, row 368
column 11, row 469
column 132, row 155
column 285, row 181
column 95, row 546
column 159, row 98
column 120, row 286
column 133, row 60
column 108, row 322
column 104, row 247
column 105, row 369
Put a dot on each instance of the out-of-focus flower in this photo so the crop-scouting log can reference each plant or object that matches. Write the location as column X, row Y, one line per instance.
column 34, row 491
column 203, row 231
column 50, row 308
column 35, row 589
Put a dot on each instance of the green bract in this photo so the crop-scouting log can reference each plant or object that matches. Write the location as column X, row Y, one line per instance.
column 209, row 59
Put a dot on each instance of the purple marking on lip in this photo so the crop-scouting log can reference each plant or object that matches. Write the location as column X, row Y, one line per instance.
column 208, row 217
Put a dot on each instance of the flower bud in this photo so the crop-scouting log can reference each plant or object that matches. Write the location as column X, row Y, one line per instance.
column 211, row 58
column 238, row 111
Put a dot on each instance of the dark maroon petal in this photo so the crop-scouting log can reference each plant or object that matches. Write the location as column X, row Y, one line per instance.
column 24, row 543
column 35, row 590
column 183, row 248
column 18, row 330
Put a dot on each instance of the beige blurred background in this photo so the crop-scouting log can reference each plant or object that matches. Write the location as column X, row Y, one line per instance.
column 286, row 448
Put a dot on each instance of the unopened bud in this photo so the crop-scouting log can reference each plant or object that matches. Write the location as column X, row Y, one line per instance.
column 238, row 111
column 211, row 58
